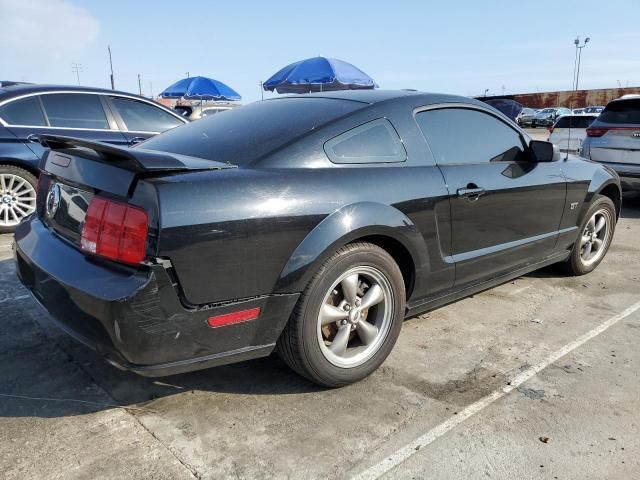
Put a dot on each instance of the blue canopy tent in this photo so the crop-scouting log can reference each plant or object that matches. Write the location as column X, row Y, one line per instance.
column 201, row 88
column 318, row 74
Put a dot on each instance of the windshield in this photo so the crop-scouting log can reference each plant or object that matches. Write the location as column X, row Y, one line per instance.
column 575, row 121
column 247, row 133
column 548, row 110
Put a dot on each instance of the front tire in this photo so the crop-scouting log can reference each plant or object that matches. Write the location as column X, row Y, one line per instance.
column 17, row 196
column 594, row 237
column 348, row 318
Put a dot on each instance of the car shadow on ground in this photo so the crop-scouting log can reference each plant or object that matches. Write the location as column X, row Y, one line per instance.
column 45, row 373
column 631, row 205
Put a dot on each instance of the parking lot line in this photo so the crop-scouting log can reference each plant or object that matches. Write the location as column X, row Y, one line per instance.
column 405, row 452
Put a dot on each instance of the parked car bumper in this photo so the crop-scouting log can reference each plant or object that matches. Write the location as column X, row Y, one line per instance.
column 134, row 317
column 544, row 122
column 629, row 175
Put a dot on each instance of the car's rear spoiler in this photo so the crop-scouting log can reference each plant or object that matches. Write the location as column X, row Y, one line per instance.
column 136, row 160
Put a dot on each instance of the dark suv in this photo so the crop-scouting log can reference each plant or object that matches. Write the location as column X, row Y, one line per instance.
column 27, row 111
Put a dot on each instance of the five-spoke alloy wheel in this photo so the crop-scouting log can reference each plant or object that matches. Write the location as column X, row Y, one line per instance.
column 594, row 238
column 348, row 318
column 355, row 316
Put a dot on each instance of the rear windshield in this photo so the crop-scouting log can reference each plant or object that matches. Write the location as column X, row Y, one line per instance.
column 627, row 111
column 577, row 121
column 247, row 133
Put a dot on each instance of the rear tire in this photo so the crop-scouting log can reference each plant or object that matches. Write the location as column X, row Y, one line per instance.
column 17, row 196
column 594, row 237
column 348, row 318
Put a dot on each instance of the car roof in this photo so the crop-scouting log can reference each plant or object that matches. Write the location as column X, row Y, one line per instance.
column 594, row 115
column 25, row 89
column 373, row 97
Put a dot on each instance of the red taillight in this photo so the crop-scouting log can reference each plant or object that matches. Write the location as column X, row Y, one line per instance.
column 234, row 317
column 596, row 132
column 115, row 230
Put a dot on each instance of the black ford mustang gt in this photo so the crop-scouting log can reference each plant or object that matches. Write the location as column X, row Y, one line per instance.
column 311, row 225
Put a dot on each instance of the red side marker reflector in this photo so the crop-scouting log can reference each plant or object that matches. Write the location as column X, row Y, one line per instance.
column 234, row 317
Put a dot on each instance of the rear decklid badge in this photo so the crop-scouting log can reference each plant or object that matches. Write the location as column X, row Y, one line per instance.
column 53, row 200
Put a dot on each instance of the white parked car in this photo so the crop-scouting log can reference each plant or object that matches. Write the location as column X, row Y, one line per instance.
column 569, row 131
column 195, row 110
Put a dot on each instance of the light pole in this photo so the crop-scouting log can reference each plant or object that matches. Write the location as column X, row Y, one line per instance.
column 486, row 90
column 576, row 65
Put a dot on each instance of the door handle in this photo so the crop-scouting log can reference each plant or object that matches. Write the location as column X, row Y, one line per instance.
column 135, row 140
column 33, row 137
column 472, row 192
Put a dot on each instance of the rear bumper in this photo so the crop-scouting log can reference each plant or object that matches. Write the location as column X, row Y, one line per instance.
column 629, row 175
column 134, row 317
column 545, row 122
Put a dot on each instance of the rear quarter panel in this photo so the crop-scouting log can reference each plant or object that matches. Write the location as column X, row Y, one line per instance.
column 232, row 234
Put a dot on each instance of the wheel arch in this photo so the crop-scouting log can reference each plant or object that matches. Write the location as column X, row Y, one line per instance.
column 614, row 192
column 20, row 164
column 379, row 224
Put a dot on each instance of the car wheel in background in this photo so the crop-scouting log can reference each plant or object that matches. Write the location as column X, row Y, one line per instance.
column 594, row 237
column 17, row 196
column 347, row 319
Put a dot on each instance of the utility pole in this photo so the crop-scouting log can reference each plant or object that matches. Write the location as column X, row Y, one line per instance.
column 139, row 85
column 150, row 89
column 261, row 90
column 187, row 74
column 113, row 85
column 77, row 68
column 579, row 48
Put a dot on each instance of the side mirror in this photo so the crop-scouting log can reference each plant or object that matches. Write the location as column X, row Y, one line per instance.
column 540, row 151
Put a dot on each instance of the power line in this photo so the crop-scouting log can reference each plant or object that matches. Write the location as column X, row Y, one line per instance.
column 77, row 68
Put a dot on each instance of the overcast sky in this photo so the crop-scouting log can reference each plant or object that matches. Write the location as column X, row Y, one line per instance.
column 461, row 47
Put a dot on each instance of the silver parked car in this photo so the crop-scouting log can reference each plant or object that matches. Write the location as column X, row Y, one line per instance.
column 614, row 139
column 547, row 116
column 525, row 116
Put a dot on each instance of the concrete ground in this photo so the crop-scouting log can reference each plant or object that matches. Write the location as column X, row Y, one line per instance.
column 446, row 404
column 538, row 133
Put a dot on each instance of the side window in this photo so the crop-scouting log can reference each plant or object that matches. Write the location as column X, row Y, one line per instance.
column 464, row 136
column 75, row 110
column 23, row 112
column 373, row 142
column 143, row 117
